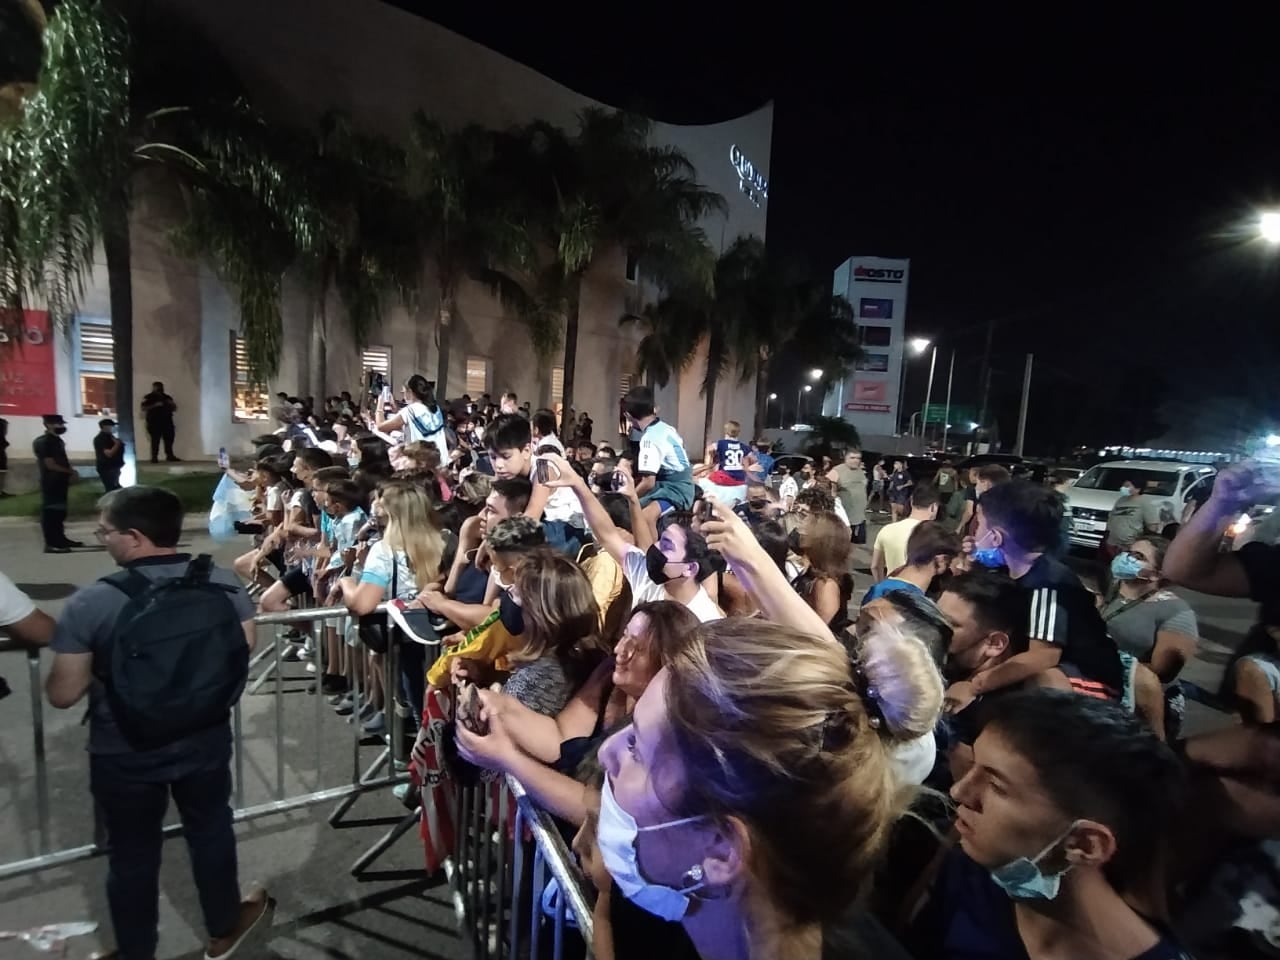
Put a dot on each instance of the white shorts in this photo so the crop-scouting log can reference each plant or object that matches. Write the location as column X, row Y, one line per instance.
column 1270, row 668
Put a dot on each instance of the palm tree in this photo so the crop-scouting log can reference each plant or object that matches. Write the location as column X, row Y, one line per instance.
column 70, row 158
column 805, row 321
column 607, row 188
column 725, row 317
column 468, row 211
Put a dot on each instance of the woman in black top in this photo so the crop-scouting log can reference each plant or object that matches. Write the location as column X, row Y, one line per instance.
column 822, row 544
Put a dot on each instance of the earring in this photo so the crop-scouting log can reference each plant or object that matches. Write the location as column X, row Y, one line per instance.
column 693, row 874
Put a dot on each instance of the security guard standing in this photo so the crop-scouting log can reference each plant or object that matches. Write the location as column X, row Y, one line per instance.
column 56, row 477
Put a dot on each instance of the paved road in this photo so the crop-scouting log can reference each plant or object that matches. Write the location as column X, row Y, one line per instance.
column 323, row 912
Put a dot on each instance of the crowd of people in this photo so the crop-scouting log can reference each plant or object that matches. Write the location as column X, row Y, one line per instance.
column 979, row 758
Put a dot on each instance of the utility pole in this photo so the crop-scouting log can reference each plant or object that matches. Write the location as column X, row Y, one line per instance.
column 1022, row 412
column 946, row 417
column 928, row 395
column 986, row 373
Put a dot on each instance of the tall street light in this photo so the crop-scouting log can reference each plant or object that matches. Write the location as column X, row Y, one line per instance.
column 1269, row 226
column 915, row 346
column 799, row 399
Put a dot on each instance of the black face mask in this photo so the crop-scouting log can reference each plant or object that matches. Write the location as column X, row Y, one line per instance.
column 511, row 614
column 793, row 541
column 59, row 430
column 656, row 562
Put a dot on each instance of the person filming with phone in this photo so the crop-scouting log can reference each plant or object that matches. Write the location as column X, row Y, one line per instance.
column 669, row 570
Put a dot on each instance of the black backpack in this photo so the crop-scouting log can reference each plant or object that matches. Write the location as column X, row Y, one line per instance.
column 177, row 660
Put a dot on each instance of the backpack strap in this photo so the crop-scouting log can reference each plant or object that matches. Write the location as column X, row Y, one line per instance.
column 129, row 582
column 199, row 569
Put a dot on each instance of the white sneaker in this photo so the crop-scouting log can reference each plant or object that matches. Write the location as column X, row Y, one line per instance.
column 311, row 668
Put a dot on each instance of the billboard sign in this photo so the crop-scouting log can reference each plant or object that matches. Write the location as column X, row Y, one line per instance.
column 27, row 385
column 875, row 308
column 874, row 362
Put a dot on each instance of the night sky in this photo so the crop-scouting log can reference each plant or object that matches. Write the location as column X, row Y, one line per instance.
column 1090, row 185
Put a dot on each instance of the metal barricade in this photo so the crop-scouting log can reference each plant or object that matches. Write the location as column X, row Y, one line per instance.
column 388, row 769
column 507, row 849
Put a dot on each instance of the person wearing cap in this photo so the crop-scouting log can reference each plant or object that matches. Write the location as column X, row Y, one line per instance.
column 108, row 451
column 56, row 477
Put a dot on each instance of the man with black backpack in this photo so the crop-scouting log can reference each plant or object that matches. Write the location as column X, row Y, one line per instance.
column 162, row 649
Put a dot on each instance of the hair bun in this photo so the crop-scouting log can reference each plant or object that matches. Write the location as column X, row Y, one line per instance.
column 898, row 681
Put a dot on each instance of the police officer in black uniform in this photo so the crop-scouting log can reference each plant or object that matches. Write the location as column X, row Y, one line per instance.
column 56, row 477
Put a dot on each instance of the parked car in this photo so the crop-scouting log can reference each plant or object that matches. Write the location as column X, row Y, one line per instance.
column 1170, row 483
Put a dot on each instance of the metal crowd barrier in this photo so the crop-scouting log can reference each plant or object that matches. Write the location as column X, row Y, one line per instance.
column 507, row 849
column 386, row 771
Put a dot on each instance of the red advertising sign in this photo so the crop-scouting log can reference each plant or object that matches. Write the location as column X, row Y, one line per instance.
column 27, row 386
column 869, row 396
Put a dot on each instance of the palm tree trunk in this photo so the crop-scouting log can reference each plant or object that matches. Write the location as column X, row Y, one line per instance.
column 319, row 351
column 762, row 396
column 570, row 355
column 708, row 423
column 116, row 246
column 444, row 337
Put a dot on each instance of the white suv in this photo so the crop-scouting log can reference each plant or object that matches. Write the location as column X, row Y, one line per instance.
column 1168, row 482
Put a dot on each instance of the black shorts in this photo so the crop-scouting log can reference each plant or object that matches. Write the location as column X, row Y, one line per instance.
column 858, row 534
column 296, row 581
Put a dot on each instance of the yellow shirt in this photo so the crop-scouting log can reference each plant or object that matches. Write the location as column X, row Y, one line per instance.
column 489, row 642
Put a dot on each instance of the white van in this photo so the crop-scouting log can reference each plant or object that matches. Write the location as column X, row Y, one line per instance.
column 1169, row 482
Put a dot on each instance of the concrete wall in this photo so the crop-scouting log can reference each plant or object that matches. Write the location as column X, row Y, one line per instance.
column 300, row 58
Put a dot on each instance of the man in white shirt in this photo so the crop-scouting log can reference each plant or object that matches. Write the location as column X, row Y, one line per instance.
column 787, row 489
column 668, row 570
column 20, row 619
column 890, row 549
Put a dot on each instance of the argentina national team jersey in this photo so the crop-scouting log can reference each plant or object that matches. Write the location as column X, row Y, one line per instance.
column 662, row 451
column 731, row 457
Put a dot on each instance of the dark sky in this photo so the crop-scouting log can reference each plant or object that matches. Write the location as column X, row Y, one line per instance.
column 1088, row 184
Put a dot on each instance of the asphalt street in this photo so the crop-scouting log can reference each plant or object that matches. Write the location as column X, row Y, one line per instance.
column 323, row 911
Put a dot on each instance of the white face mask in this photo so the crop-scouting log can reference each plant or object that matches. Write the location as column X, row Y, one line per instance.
column 616, row 837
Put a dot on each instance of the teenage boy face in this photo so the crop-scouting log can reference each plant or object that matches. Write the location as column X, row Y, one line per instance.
column 511, row 462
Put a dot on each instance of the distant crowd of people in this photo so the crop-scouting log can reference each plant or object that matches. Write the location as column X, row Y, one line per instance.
column 978, row 758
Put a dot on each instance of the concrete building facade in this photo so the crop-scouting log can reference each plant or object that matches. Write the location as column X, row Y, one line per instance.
column 378, row 64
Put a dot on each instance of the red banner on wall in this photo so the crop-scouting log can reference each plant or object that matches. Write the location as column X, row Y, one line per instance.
column 27, row 385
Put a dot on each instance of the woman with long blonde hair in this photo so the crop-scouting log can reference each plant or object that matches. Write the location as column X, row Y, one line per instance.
column 398, row 567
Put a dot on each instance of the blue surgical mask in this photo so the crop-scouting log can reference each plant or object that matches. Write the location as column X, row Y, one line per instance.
column 1022, row 879
column 1126, row 491
column 616, row 836
column 1126, row 566
column 991, row 557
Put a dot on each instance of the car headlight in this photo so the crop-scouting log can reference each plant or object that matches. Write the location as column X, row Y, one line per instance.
column 1241, row 525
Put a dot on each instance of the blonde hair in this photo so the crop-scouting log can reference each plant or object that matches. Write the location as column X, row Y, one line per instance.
column 560, row 611
column 412, row 527
column 732, row 428
column 900, row 680
column 771, row 729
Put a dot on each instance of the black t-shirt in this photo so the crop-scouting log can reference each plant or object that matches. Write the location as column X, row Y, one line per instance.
column 636, row 934
column 49, row 446
column 158, row 407
column 968, row 917
column 101, row 443
column 1062, row 612
column 1261, row 564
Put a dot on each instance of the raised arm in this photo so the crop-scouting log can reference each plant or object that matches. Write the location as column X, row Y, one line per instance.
column 1194, row 559
column 597, row 518
column 758, row 574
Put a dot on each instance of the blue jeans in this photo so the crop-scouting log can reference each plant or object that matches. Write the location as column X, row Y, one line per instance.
column 132, row 792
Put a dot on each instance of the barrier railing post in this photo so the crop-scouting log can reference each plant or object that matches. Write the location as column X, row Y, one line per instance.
column 517, row 885
column 319, row 637
column 37, row 739
column 237, row 744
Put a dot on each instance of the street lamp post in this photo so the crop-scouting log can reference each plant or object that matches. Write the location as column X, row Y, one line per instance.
column 917, row 346
column 928, row 395
column 799, row 400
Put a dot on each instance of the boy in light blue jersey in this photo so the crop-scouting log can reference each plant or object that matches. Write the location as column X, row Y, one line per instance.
column 664, row 474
